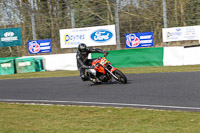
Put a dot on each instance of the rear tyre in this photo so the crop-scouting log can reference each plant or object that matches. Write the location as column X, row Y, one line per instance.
column 121, row 77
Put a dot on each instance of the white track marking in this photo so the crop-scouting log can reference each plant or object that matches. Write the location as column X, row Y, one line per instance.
column 100, row 103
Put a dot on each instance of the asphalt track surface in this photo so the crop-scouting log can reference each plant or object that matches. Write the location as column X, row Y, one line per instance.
column 168, row 91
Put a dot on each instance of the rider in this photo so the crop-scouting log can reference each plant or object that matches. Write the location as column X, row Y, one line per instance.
column 83, row 62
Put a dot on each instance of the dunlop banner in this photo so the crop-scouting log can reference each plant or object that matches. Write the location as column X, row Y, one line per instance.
column 10, row 37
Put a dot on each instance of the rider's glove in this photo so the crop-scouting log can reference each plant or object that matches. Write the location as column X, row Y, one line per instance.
column 105, row 53
column 91, row 67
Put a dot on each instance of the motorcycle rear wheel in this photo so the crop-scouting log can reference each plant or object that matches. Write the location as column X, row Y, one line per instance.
column 121, row 77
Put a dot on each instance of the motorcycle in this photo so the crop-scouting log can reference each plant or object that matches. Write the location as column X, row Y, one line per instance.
column 104, row 71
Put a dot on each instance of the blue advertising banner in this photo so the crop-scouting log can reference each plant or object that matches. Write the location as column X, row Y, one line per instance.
column 39, row 46
column 136, row 40
column 10, row 37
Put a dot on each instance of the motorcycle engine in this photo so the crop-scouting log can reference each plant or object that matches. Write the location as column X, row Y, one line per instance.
column 103, row 78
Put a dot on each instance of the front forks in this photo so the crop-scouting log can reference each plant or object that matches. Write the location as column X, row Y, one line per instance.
column 111, row 74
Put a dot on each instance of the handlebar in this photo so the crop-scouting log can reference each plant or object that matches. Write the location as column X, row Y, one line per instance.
column 99, row 58
column 105, row 54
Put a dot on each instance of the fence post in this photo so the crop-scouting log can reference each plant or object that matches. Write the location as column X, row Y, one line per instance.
column 117, row 24
column 165, row 17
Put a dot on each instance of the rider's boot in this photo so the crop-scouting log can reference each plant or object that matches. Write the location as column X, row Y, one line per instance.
column 95, row 80
column 85, row 78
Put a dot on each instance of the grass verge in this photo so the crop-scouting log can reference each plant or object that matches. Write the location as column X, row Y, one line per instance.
column 20, row 118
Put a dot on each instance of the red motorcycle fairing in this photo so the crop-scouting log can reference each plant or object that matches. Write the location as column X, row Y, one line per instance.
column 100, row 64
column 107, row 71
column 113, row 69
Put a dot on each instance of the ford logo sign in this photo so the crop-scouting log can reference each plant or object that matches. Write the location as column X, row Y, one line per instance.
column 101, row 35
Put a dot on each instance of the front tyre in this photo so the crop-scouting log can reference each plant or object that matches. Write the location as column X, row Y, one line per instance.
column 120, row 76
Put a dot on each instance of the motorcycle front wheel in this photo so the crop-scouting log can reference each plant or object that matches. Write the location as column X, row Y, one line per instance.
column 120, row 76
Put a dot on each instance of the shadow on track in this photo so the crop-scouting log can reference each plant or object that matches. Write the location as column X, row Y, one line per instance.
column 110, row 83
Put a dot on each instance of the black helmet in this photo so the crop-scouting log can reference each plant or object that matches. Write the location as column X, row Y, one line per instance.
column 82, row 47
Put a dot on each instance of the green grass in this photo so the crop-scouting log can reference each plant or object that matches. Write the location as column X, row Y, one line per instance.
column 125, row 70
column 20, row 118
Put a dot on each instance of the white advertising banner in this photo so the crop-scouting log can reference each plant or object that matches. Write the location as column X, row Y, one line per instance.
column 181, row 33
column 91, row 36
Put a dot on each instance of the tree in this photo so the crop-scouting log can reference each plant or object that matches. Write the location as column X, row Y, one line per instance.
column 53, row 15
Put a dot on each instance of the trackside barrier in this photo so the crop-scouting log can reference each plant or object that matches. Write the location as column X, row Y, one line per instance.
column 56, row 62
column 173, row 56
column 25, row 65
column 30, row 64
column 8, row 70
column 178, row 56
column 167, row 56
column 39, row 64
column 61, row 62
column 7, row 67
column 135, row 57
column 191, row 56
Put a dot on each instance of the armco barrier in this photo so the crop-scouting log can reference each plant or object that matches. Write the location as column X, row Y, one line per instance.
column 135, row 57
